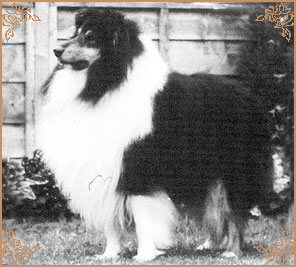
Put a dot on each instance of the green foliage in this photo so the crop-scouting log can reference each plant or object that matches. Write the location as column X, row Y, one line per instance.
column 267, row 64
column 266, row 61
column 29, row 190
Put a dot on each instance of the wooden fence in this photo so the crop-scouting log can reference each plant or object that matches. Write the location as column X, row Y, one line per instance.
column 192, row 37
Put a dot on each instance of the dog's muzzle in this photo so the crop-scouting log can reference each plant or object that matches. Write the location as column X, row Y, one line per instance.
column 59, row 51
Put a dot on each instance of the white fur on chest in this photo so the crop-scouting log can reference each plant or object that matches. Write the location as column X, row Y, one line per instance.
column 84, row 144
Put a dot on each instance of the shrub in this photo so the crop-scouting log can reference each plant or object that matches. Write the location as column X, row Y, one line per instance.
column 29, row 190
column 266, row 62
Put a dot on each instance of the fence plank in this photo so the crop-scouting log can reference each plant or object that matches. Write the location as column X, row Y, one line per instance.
column 164, row 33
column 13, row 141
column 53, row 33
column 148, row 21
column 207, row 57
column 189, row 25
column 13, row 103
column 13, row 63
column 171, row 5
column 42, row 49
column 30, row 94
column 112, row 4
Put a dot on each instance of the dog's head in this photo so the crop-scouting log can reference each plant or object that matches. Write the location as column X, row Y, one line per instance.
column 104, row 42
column 97, row 32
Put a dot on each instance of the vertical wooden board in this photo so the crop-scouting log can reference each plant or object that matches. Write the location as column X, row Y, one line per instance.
column 164, row 33
column 30, row 91
column 13, row 99
column 146, row 19
column 207, row 25
column 66, row 23
column 206, row 57
column 13, row 141
column 42, row 49
column 13, row 63
column 53, row 33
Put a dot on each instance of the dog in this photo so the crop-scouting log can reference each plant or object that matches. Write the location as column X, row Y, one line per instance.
column 130, row 142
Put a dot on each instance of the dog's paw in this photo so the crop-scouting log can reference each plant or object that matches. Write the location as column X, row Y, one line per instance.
column 228, row 254
column 208, row 244
column 201, row 247
column 141, row 257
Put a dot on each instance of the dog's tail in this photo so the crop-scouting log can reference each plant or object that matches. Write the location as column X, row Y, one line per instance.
column 216, row 212
column 219, row 221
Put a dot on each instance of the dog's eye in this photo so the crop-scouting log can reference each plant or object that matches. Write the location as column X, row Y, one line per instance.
column 90, row 38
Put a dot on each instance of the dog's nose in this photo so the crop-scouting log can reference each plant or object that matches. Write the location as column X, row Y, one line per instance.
column 59, row 51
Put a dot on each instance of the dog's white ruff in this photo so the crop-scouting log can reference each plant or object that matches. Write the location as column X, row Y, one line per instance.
column 84, row 144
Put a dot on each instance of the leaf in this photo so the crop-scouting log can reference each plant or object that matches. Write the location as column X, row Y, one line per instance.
column 261, row 249
column 290, row 19
column 287, row 34
column 9, row 233
column 8, row 34
column 25, row 184
column 35, row 18
column 37, row 180
column 13, row 8
column 26, row 258
column 17, row 243
column 10, row 11
column 271, row 10
column 6, row 22
column 41, row 200
column 15, row 193
column 35, row 249
column 27, row 17
column 284, row 10
column 14, row 259
column 286, row 233
column 260, row 18
column 27, row 193
column 16, row 23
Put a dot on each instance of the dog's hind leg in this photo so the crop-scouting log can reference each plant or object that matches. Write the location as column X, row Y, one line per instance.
column 155, row 217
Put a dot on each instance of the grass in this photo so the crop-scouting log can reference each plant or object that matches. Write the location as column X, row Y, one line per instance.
column 64, row 243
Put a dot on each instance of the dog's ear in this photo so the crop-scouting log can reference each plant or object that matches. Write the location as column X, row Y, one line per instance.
column 126, row 36
column 80, row 17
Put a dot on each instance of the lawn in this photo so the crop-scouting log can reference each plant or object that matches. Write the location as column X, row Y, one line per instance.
column 66, row 243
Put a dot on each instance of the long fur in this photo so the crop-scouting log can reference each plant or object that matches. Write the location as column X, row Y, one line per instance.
column 93, row 139
column 129, row 142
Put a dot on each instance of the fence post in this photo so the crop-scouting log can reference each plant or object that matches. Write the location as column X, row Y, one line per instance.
column 29, row 89
column 164, row 33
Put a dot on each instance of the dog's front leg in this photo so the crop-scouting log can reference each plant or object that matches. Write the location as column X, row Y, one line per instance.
column 113, row 247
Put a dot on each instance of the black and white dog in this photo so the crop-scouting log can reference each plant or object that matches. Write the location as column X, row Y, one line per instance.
column 129, row 142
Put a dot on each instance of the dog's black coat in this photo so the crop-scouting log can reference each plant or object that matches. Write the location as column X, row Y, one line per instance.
column 207, row 131
column 118, row 41
column 206, row 128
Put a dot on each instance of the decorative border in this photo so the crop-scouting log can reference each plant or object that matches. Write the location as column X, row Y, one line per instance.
column 15, row 15
column 282, row 250
column 282, row 18
column 14, row 251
